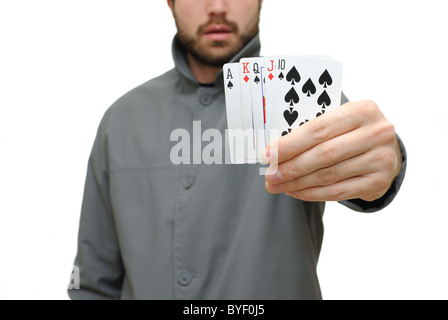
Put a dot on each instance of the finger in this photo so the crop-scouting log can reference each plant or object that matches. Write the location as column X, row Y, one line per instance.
column 357, row 187
column 334, row 123
column 323, row 155
column 353, row 167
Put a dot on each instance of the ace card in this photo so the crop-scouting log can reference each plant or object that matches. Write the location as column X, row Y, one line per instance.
column 233, row 110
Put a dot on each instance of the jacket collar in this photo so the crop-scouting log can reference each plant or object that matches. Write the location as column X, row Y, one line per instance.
column 252, row 49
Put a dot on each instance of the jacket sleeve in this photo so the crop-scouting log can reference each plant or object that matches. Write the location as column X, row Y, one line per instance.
column 98, row 257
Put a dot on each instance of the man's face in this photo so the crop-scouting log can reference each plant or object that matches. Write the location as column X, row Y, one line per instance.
column 213, row 31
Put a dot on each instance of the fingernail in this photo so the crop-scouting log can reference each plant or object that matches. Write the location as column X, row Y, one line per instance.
column 273, row 175
column 266, row 155
column 271, row 171
column 274, row 188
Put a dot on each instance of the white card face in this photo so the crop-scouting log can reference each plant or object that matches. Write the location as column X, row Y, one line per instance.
column 305, row 88
column 232, row 88
column 268, row 97
column 258, row 88
column 249, row 121
column 270, row 77
column 262, row 71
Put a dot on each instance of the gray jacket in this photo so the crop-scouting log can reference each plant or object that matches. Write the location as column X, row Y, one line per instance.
column 150, row 229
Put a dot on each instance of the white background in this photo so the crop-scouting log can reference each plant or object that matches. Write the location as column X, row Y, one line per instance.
column 64, row 62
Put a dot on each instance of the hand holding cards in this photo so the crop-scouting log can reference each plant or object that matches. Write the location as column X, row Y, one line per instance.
column 268, row 97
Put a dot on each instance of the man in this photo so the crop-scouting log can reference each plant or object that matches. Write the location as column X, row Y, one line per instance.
column 154, row 230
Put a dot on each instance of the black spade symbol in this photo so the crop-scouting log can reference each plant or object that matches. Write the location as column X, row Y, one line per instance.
column 281, row 76
column 230, row 85
column 284, row 133
column 309, row 88
column 257, row 80
column 290, row 116
column 293, row 76
column 292, row 97
column 324, row 99
column 325, row 79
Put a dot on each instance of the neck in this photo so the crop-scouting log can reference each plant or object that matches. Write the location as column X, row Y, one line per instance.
column 203, row 73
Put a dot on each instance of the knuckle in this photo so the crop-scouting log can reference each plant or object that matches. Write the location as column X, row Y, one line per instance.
column 318, row 130
column 389, row 129
column 387, row 159
column 386, row 132
column 336, row 193
column 379, row 185
column 305, row 195
column 299, row 184
column 384, row 184
column 390, row 160
column 389, row 132
column 291, row 170
column 367, row 109
column 370, row 107
column 329, row 153
column 327, row 175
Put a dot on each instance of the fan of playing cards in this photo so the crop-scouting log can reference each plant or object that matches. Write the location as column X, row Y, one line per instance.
column 268, row 97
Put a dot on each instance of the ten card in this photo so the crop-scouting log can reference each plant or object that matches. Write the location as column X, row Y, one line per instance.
column 305, row 88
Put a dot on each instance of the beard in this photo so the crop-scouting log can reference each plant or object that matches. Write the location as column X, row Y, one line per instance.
column 216, row 53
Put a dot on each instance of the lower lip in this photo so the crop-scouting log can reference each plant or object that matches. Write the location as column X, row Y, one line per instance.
column 218, row 36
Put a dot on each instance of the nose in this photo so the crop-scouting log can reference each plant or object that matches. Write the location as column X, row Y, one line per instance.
column 217, row 8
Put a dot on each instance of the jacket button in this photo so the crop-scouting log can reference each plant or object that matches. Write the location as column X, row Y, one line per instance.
column 206, row 99
column 184, row 278
column 188, row 182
